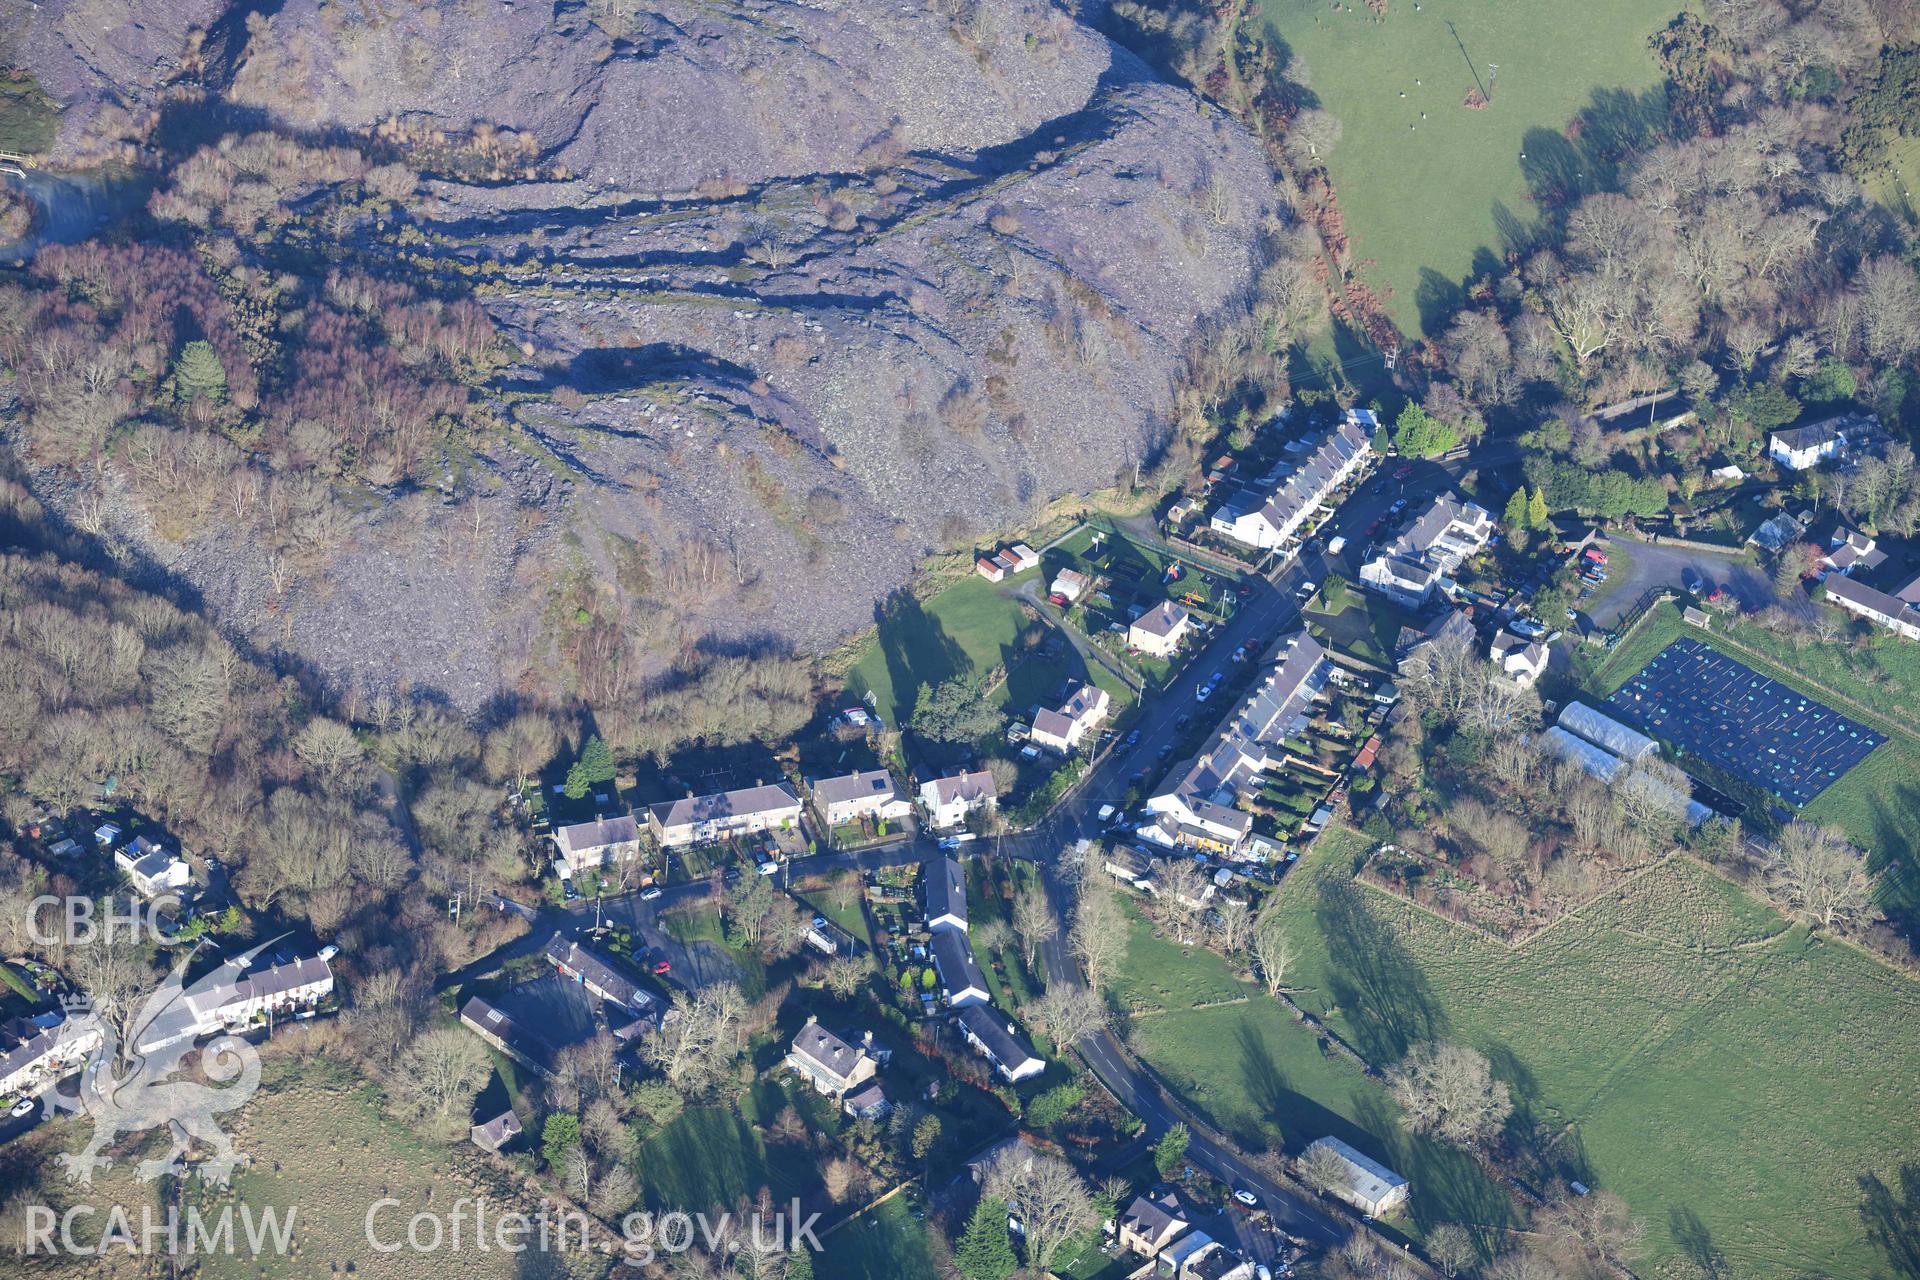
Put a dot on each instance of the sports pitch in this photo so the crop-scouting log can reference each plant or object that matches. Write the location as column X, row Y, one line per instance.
column 1706, row 704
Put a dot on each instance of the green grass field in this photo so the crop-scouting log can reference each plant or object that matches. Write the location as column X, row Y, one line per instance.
column 1423, row 197
column 1895, row 186
column 1732, row 1079
column 1240, row 1060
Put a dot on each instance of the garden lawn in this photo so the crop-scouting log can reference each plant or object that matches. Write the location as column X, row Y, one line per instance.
column 1422, row 198
column 708, row 1156
column 1733, row 1079
column 887, row 1243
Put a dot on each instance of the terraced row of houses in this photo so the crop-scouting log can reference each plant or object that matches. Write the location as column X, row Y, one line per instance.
column 1195, row 806
column 1268, row 514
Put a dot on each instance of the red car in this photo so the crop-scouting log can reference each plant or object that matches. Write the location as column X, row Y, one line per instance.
column 1403, row 472
column 1596, row 555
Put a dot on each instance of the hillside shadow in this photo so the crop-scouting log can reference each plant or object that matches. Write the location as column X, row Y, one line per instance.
column 1382, row 993
column 917, row 649
column 1892, row 1219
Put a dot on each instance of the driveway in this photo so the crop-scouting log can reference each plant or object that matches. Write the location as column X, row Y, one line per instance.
column 1635, row 566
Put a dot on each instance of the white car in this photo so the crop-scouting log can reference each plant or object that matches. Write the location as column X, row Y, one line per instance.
column 651, row 893
column 1526, row 628
column 768, row 867
column 329, row 951
column 1204, row 692
column 1246, row 1197
column 21, row 1108
column 1307, row 589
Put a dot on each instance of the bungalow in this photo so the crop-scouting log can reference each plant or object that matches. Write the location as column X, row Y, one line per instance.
column 1524, row 660
column 34, row 1052
column 1848, row 550
column 1065, row 729
column 1900, row 616
column 501, row 1030
column 704, row 819
column 961, row 980
column 946, row 894
column 1070, row 585
column 949, row 800
column 1000, row 1042
column 584, row 845
column 871, row 793
column 152, row 870
column 1802, row 448
column 831, row 1065
column 497, row 1132
column 1147, row 1226
column 594, row 972
column 1159, row 631
column 1364, row 1183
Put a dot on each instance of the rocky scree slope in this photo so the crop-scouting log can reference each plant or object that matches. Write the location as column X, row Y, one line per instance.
column 805, row 292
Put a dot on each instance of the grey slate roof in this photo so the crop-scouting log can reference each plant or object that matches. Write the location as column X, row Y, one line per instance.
column 992, row 1029
column 854, row 786
column 564, row 952
column 597, row 834
column 946, row 884
column 827, row 1050
column 744, row 802
column 959, row 971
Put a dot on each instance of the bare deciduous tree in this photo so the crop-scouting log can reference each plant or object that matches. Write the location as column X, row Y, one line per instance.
column 1818, row 877
column 1099, row 936
column 1054, row 1203
column 1448, row 1090
column 1273, row 951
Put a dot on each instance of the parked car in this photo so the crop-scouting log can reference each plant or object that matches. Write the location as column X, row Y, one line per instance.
column 1246, row 1198
column 572, row 894
column 651, row 893
column 1204, row 692
column 1399, row 505
column 1306, row 590
column 1526, row 627
column 23, row 1106
column 1595, row 554
column 1402, row 472
column 1691, row 580
column 1216, row 678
